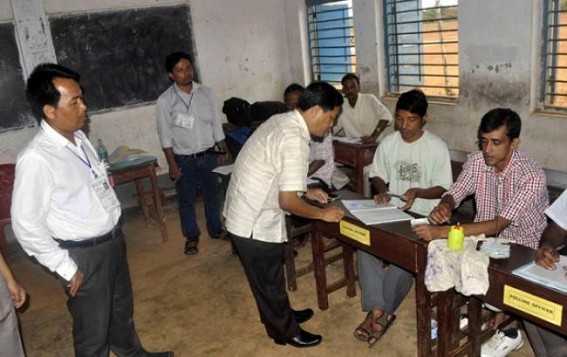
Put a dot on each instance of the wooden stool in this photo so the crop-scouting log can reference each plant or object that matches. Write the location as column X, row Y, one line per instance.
column 297, row 227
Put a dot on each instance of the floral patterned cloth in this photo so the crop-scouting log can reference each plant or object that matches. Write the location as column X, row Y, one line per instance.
column 466, row 270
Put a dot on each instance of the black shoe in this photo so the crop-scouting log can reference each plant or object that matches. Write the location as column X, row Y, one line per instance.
column 223, row 235
column 303, row 315
column 191, row 247
column 302, row 340
column 159, row 354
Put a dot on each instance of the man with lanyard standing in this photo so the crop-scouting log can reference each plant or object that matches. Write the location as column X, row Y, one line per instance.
column 66, row 215
column 189, row 128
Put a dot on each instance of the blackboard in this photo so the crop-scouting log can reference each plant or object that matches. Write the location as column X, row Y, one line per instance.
column 14, row 112
column 120, row 55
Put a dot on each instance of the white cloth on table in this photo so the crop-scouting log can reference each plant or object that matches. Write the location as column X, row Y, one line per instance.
column 466, row 270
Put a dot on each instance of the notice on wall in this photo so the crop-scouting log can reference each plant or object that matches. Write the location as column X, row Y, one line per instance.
column 533, row 305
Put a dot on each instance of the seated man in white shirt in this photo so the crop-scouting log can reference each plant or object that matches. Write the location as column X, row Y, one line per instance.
column 414, row 164
column 363, row 115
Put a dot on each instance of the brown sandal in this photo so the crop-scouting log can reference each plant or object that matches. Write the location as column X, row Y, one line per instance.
column 385, row 323
column 364, row 330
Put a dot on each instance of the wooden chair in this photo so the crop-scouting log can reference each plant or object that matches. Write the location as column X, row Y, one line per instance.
column 297, row 227
column 7, row 173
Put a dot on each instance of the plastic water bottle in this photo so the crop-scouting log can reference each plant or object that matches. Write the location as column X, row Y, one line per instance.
column 456, row 237
column 102, row 152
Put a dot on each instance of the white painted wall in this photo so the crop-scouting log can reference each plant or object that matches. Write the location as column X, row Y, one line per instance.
column 242, row 50
column 254, row 48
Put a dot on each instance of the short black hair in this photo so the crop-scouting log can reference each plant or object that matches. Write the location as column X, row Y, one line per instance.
column 41, row 91
column 498, row 117
column 322, row 94
column 172, row 59
column 350, row 76
column 413, row 101
column 294, row 87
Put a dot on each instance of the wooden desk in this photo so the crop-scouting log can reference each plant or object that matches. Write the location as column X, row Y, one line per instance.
column 500, row 275
column 137, row 174
column 396, row 243
column 356, row 156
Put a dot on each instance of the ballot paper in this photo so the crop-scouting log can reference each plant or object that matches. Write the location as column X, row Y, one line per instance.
column 555, row 279
column 370, row 213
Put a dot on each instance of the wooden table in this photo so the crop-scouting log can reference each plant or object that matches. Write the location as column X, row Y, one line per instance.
column 137, row 173
column 356, row 156
column 396, row 243
column 501, row 278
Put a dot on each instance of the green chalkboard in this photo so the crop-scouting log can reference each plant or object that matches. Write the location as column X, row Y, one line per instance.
column 120, row 55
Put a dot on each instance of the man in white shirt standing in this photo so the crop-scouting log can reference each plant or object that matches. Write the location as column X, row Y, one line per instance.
column 363, row 116
column 269, row 176
column 66, row 215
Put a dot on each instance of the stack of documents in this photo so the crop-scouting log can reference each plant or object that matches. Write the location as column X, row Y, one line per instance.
column 550, row 278
column 370, row 213
column 495, row 249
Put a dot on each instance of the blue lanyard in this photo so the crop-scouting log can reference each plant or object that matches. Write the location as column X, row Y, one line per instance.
column 87, row 162
column 187, row 106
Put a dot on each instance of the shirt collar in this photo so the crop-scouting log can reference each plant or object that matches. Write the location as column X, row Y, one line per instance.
column 304, row 130
column 59, row 140
column 196, row 87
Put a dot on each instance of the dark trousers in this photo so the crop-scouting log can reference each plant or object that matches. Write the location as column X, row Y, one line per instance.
column 194, row 172
column 102, row 310
column 544, row 342
column 263, row 265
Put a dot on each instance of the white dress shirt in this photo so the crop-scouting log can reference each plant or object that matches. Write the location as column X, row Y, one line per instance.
column 273, row 160
column 54, row 198
column 363, row 119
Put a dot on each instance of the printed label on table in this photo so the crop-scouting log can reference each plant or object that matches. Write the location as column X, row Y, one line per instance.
column 533, row 305
column 355, row 232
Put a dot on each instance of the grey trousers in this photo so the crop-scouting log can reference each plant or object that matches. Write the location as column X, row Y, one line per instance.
column 381, row 288
column 544, row 342
column 102, row 310
column 10, row 341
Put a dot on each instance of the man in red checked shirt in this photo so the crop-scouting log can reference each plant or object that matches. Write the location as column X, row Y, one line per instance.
column 509, row 189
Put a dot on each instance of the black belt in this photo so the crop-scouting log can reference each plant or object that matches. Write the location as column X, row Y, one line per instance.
column 91, row 242
column 199, row 154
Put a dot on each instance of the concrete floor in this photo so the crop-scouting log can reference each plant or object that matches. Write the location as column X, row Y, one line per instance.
column 201, row 305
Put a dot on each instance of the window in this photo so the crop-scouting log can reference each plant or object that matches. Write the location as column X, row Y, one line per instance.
column 422, row 48
column 331, row 39
column 554, row 88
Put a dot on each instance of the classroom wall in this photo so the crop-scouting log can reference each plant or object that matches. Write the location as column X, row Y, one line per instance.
column 254, row 48
column 242, row 49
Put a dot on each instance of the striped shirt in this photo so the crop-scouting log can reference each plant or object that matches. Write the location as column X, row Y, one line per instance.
column 518, row 194
column 323, row 151
column 274, row 159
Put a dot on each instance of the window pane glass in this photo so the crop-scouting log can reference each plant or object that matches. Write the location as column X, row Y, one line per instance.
column 422, row 48
column 331, row 41
column 555, row 54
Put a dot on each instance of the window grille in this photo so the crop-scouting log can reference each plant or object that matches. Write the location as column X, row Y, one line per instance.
column 554, row 88
column 422, row 48
column 331, row 39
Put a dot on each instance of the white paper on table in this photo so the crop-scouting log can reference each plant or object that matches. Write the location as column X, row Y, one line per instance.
column 224, row 170
column 551, row 278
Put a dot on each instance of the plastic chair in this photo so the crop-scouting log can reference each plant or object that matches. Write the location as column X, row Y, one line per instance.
column 7, row 173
